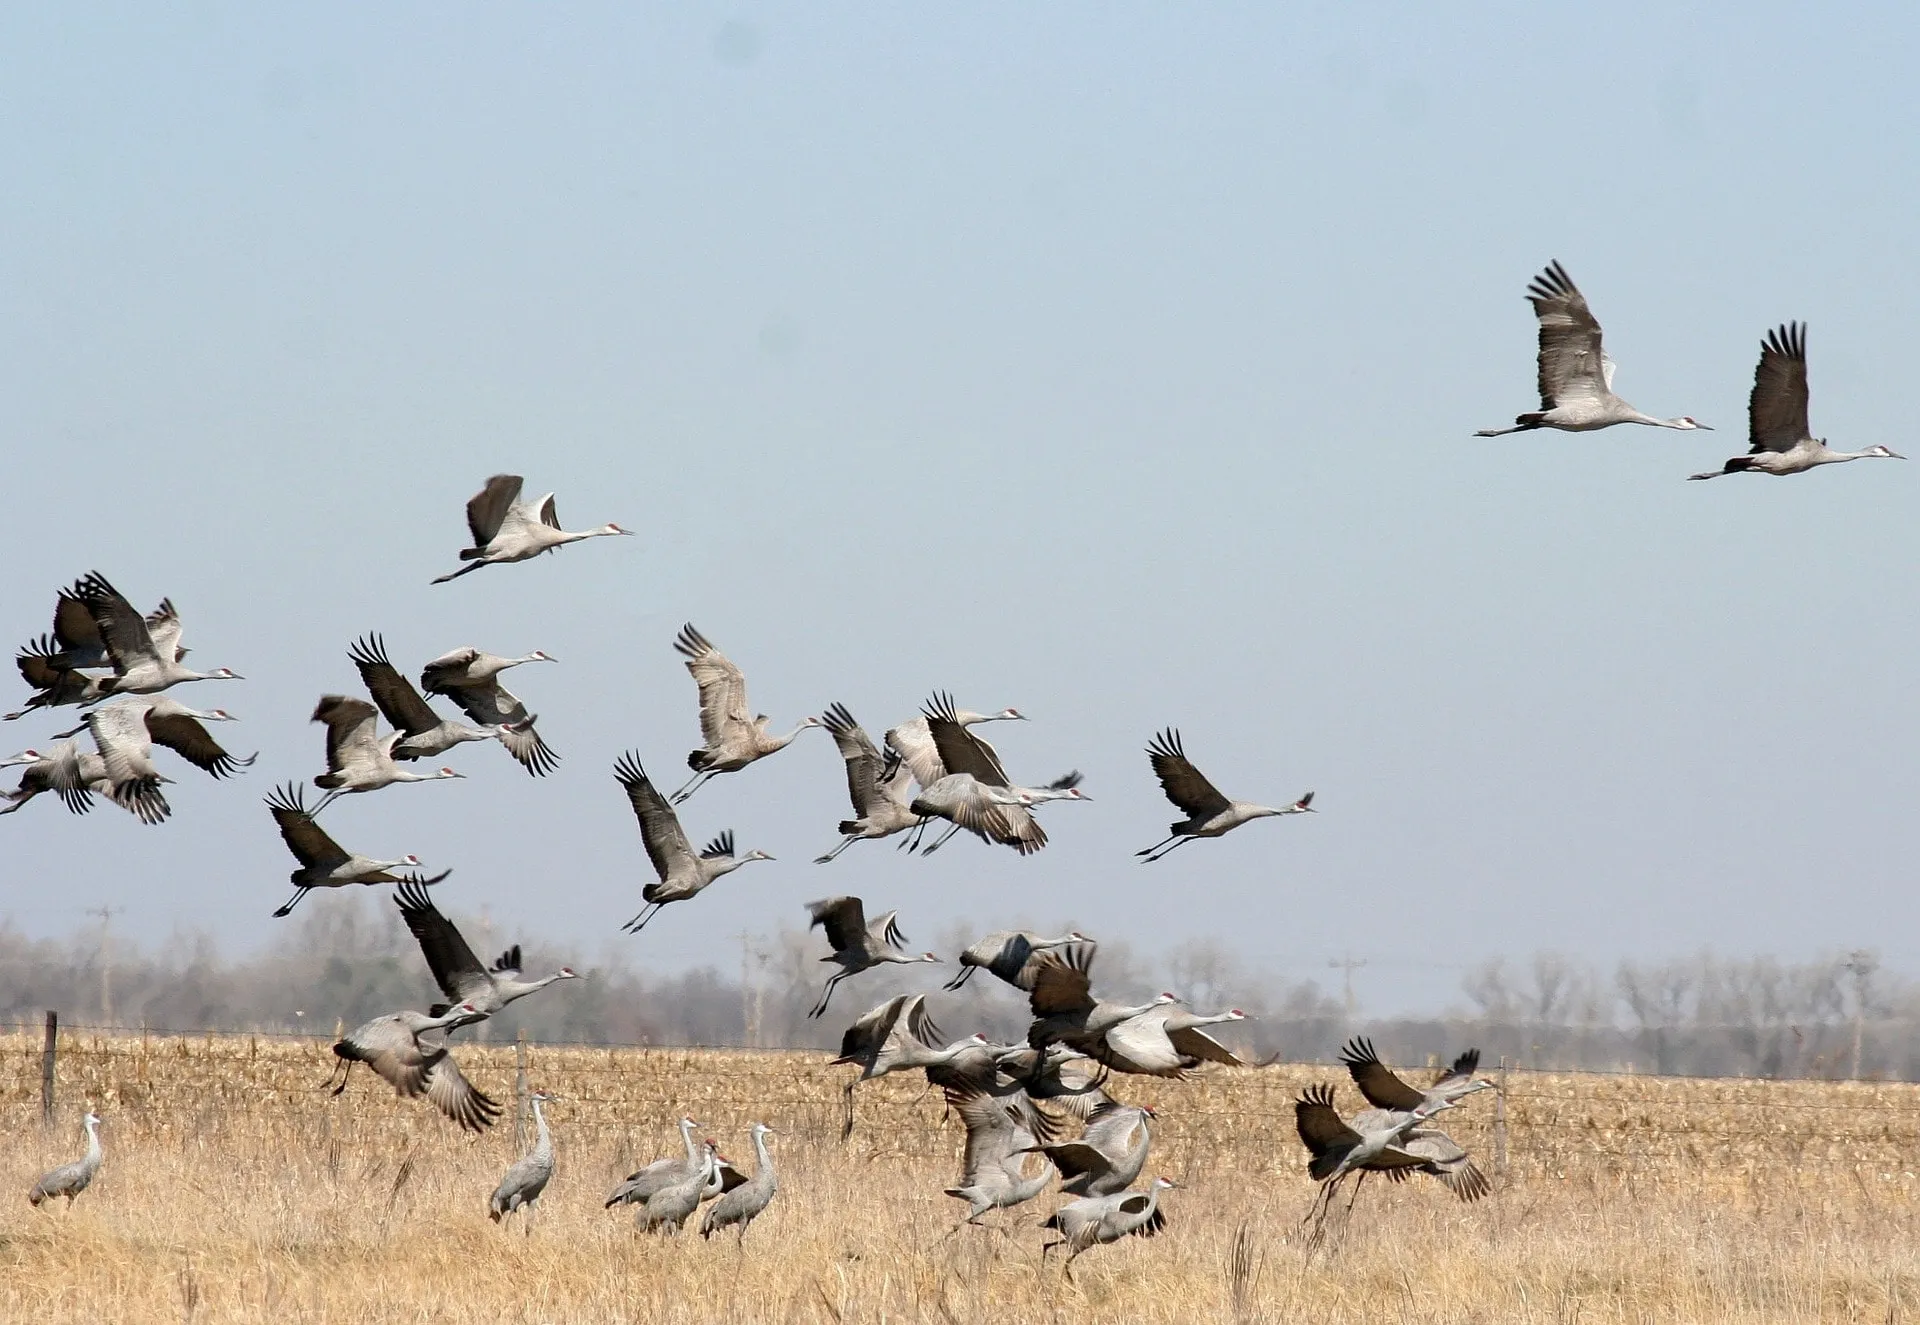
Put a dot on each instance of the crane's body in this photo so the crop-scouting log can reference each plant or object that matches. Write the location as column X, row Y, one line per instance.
column 732, row 735
column 1064, row 1008
column 880, row 786
column 459, row 973
column 506, row 529
column 76, row 776
column 668, row 1208
column 69, row 1180
column 1009, row 954
column 359, row 759
column 857, row 944
column 1165, row 1041
column 1094, row 1221
column 408, row 1050
column 145, row 653
column 1209, row 813
column 529, row 1175
column 1109, row 1155
column 745, row 1203
column 682, row 874
column 471, row 679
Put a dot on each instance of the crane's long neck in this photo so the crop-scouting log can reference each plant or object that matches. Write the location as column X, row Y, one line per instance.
column 761, row 1156
column 543, row 1140
column 693, row 1151
column 782, row 742
column 92, row 1159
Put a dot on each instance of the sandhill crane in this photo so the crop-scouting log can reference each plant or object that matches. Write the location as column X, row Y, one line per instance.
column 682, row 874
column 973, row 791
column 125, row 733
column 1009, row 954
column 52, row 664
column 1384, row 1090
column 1059, row 1075
column 993, row 1176
column 742, row 1205
column 505, row 529
column 1445, row 1158
column 69, row 1180
column 1369, row 1142
column 895, row 1036
column 1576, row 376
column 1094, row 1221
column 642, row 1183
column 456, row 970
column 1209, row 814
column 76, row 776
column 527, row 1176
column 359, row 759
column 409, row 1051
column 734, row 736
column 980, row 1068
column 667, row 1210
column 1109, row 1155
column 879, row 786
column 857, row 945
column 1165, row 1042
column 913, row 742
column 323, row 862
column 1062, row 1000
column 146, row 658
column 471, row 679
column 424, row 732
column 1777, row 427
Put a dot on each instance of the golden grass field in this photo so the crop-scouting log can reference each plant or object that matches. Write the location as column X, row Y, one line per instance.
column 236, row 1190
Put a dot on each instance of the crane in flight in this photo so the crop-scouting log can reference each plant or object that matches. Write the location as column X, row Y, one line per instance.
column 1209, row 813
column 507, row 529
column 1782, row 440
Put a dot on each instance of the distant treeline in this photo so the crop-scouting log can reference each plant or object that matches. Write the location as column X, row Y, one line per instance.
column 348, row 960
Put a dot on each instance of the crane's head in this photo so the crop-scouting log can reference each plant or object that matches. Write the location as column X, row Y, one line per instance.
column 223, row 674
column 410, row 859
column 541, row 655
column 1302, row 806
column 926, row 957
column 1233, row 1014
column 1882, row 453
column 1164, row 1183
column 755, row 855
column 1008, row 715
column 1148, row 1110
column 761, row 1129
column 611, row 528
column 566, row 973
column 24, row 757
column 217, row 715
column 91, row 1120
column 1164, row 998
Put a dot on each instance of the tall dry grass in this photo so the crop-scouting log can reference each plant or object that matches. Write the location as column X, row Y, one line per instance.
column 236, row 1190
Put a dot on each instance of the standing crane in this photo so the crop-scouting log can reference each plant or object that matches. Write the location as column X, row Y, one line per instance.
column 857, row 945
column 994, row 1176
column 1782, row 439
column 456, row 970
column 732, row 735
column 324, row 863
column 359, row 759
column 637, row 1186
column 1576, row 376
column 879, row 786
column 742, row 1205
column 146, row 658
column 1009, row 954
column 1109, row 1155
column 1094, row 1221
column 69, row 1180
column 506, row 529
column 682, row 873
column 471, row 679
column 409, row 1051
column 667, row 1210
column 1209, row 814
column 529, row 1175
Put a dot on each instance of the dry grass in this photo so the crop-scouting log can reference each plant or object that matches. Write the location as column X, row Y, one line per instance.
column 235, row 1190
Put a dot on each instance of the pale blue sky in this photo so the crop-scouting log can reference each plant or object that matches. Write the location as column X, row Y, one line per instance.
column 1115, row 362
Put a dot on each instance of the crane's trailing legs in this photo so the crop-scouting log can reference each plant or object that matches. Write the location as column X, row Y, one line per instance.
column 639, row 922
column 1148, row 856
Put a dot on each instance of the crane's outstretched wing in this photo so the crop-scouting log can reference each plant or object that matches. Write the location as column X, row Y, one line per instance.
column 1063, row 980
column 1777, row 409
column 1321, row 1130
column 455, row 969
column 723, row 689
column 488, row 507
column 399, row 702
column 189, row 738
column 350, row 728
column 660, row 831
column 495, row 705
column 122, row 630
column 867, row 771
column 307, row 840
column 1460, row 1070
column 1376, row 1080
column 455, row 1096
column 843, row 918
column 1184, row 784
column 959, row 749
column 1571, row 365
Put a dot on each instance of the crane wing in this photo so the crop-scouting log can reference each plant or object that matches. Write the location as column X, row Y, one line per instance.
column 1192, row 1042
column 120, row 734
column 913, row 743
column 843, row 918
column 494, row 705
column 350, row 730
column 399, row 702
column 919, row 1021
column 960, row 751
column 309, row 842
column 1063, row 980
column 448, row 672
column 488, row 507
column 164, row 628
column 666, row 842
column 122, row 630
column 550, row 517
column 1184, row 784
column 75, row 631
column 992, row 1135
column 1460, row 1070
column 387, row 1046
column 1570, row 354
column 1140, row 1045
column 866, row 771
column 455, row 969
column 1319, row 1124
column 723, row 689
column 189, row 738
column 455, row 1096
column 1376, row 1080
column 1777, row 409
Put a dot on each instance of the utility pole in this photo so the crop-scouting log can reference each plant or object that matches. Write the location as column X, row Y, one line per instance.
column 749, row 1032
column 106, row 914
column 1347, row 965
column 1862, row 964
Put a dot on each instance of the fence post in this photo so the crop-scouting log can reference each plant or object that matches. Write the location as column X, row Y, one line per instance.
column 46, row 1068
column 1500, row 1126
column 520, row 1090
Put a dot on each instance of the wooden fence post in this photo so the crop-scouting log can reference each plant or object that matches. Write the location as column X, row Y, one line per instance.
column 520, row 1101
column 1500, row 1126
column 46, row 1068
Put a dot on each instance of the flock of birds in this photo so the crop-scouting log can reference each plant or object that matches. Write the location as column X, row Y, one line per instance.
column 1031, row 1110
